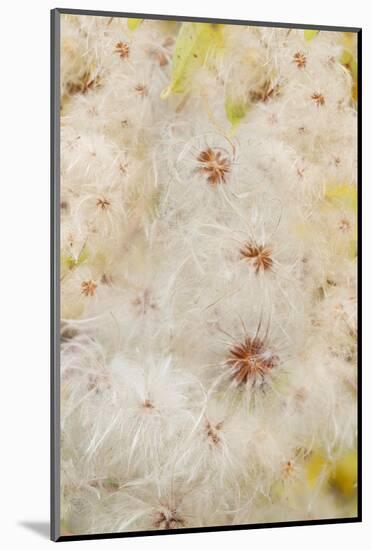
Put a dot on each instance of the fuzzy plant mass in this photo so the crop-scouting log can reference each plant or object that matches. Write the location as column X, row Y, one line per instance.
column 208, row 275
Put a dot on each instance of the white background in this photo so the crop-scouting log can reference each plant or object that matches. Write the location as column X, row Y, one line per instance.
column 24, row 260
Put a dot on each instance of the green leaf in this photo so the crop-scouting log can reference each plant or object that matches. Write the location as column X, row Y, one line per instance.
column 344, row 194
column 235, row 109
column 353, row 248
column 343, row 475
column 70, row 261
column 348, row 60
column 134, row 23
column 316, row 467
column 309, row 35
column 196, row 45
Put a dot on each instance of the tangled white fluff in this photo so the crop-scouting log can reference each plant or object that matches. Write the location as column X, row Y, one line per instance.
column 208, row 266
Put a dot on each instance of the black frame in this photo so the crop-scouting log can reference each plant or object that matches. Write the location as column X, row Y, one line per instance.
column 55, row 270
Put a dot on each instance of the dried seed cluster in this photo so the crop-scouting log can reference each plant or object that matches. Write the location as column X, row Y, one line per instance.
column 88, row 288
column 122, row 49
column 250, row 361
column 300, row 60
column 259, row 256
column 214, row 165
column 168, row 519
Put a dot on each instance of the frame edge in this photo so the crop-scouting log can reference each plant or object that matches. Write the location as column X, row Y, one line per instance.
column 54, row 276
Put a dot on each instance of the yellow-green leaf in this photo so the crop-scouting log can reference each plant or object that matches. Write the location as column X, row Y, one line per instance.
column 348, row 60
column 353, row 248
column 195, row 46
column 236, row 110
column 134, row 23
column 343, row 474
column 310, row 34
column 315, row 469
column 69, row 261
column 343, row 193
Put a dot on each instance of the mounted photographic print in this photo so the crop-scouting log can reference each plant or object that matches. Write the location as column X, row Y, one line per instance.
column 205, row 268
